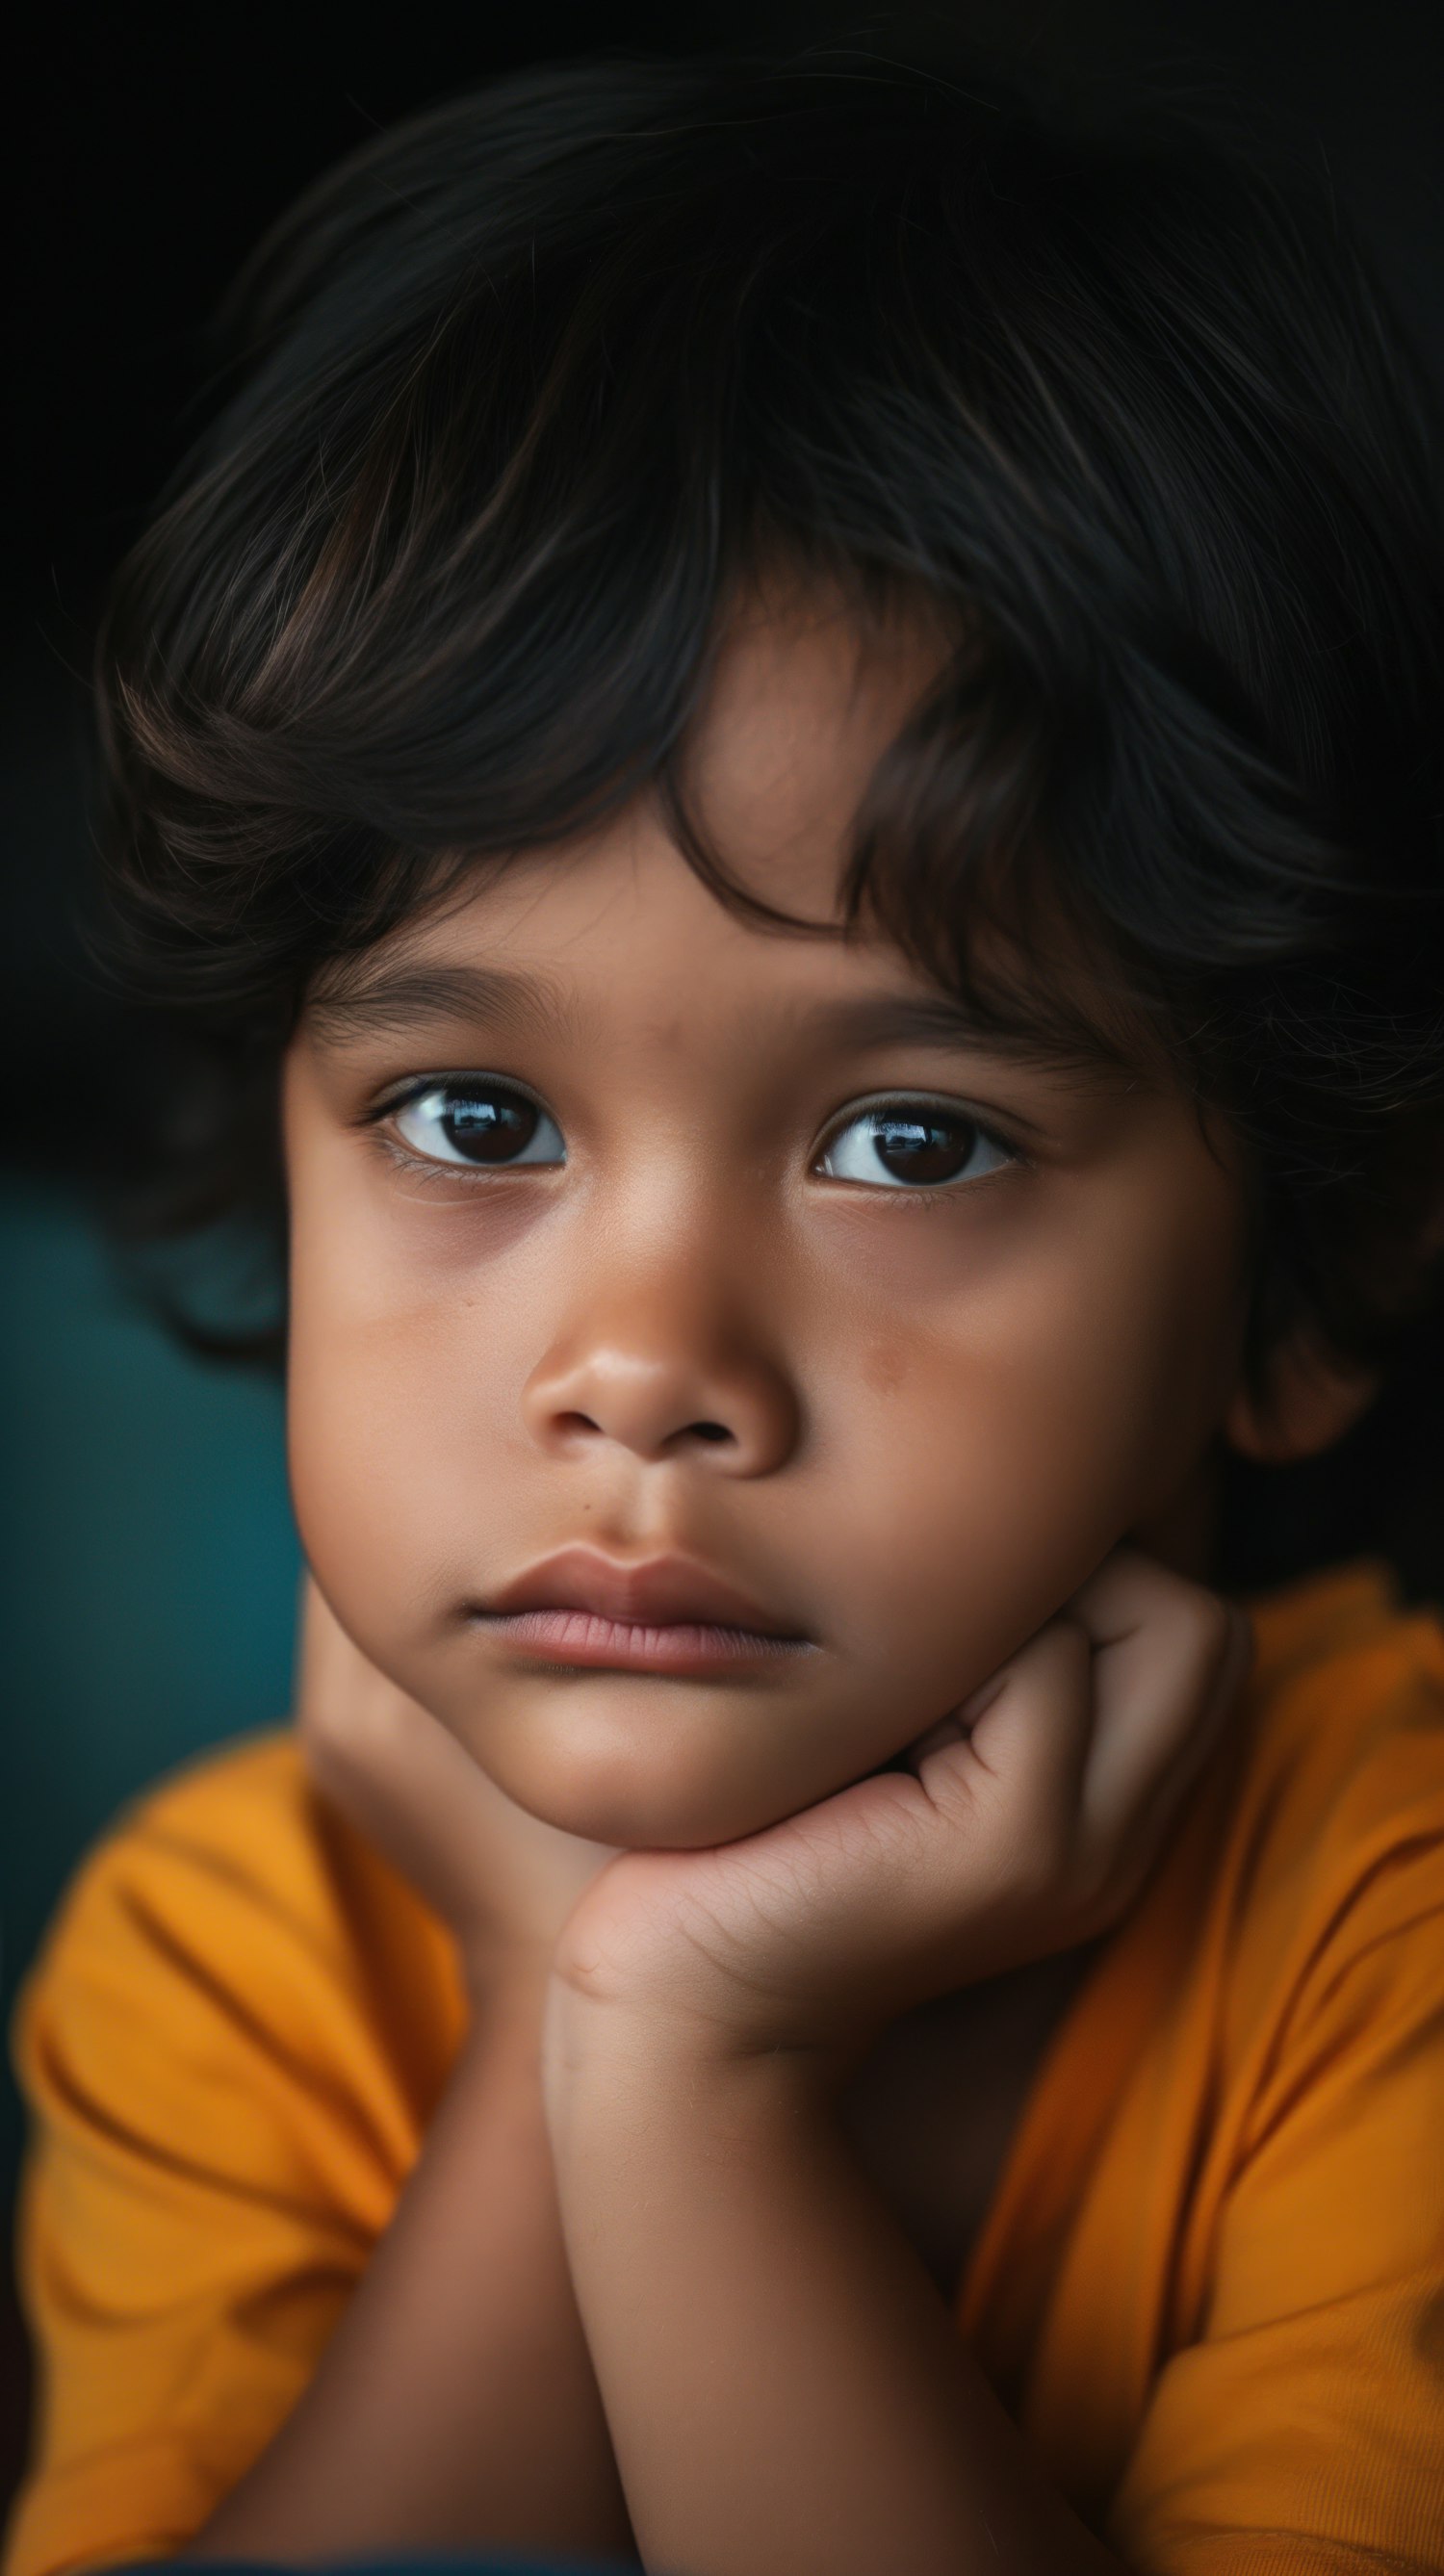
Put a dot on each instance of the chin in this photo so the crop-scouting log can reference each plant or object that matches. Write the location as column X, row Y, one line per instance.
column 636, row 1795
column 638, row 1815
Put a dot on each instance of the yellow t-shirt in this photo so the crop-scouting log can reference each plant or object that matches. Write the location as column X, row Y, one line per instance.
column 1210, row 2285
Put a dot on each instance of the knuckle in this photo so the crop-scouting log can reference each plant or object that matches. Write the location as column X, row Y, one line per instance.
column 1065, row 1638
column 1042, row 1860
column 1205, row 1625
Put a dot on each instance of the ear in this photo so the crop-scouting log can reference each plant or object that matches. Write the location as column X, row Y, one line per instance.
column 1313, row 1398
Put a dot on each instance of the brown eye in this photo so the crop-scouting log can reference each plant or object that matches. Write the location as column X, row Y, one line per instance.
column 482, row 1123
column 918, row 1145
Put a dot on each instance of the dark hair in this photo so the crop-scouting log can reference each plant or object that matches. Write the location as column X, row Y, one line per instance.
column 530, row 385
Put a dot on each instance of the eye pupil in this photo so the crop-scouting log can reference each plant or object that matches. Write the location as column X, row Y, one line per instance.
column 488, row 1126
column 920, row 1149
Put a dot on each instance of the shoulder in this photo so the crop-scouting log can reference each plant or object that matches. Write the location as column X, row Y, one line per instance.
column 229, row 2046
column 1335, row 1841
column 1281, row 2140
column 1345, row 1703
column 229, row 1917
column 232, row 1803
column 237, row 1831
column 1327, row 1620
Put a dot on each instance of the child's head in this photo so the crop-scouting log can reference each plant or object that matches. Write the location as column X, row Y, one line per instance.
column 789, row 734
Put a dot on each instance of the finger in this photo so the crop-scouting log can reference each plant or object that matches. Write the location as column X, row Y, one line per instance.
column 1167, row 1657
column 1170, row 1792
column 1025, row 1744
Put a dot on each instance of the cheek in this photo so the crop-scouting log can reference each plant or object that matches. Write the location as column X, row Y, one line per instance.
column 389, row 1430
column 1004, row 1446
column 372, row 1462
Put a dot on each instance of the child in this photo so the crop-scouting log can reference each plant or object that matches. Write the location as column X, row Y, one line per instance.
column 787, row 736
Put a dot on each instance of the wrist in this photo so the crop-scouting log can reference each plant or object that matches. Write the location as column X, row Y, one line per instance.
column 610, row 2068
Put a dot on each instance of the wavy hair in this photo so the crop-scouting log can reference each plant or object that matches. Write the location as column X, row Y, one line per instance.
column 521, row 393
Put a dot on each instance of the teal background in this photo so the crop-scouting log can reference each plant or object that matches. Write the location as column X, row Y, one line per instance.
column 148, row 1573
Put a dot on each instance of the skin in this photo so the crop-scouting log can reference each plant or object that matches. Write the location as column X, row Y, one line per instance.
column 937, row 1417
column 642, row 2292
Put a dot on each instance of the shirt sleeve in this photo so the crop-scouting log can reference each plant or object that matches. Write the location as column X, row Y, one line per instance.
column 1303, row 2434
column 214, row 2149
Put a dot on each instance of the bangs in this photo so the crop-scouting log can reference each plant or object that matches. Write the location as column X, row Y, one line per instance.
column 530, row 393
column 504, row 542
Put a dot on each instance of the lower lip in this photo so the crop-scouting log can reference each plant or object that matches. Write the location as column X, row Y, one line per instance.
column 624, row 1645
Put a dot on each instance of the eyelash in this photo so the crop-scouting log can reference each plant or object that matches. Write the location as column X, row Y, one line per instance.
column 427, row 1169
column 925, row 1195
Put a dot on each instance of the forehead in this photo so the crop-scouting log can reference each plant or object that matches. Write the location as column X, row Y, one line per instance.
column 804, row 701
column 801, row 705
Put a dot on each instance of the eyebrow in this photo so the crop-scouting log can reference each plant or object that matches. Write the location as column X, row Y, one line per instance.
column 902, row 1019
column 402, row 996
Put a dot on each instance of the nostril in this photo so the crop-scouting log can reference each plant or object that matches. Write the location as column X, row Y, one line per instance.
column 572, row 1423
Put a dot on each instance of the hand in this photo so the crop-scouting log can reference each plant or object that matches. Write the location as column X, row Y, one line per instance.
column 1024, row 1823
column 501, row 1880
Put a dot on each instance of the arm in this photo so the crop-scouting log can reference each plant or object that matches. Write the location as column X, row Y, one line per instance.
column 228, row 2183
column 455, row 2405
column 786, row 2393
column 786, row 2389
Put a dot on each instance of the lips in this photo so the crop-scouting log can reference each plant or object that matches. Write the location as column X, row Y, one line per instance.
column 662, row 1616
column 661, row 1591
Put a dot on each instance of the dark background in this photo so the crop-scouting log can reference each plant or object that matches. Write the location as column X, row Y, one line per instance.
column 147, row 1561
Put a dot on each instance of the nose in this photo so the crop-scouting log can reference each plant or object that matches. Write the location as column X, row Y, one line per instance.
column 660, row 1365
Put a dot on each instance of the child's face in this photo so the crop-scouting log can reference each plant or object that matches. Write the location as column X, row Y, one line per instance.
column 906, row 1427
